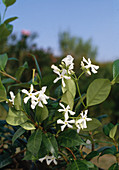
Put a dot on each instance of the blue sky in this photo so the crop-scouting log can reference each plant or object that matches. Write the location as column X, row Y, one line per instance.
column 96, row 19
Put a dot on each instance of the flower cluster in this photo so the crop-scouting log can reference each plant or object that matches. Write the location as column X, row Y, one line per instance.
column 37, row 98
column 49, row 159
column 79, row 123
column 89, row 66
column 67, row 66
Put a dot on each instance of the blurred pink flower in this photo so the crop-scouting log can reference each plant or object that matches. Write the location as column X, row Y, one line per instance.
column 25, row 32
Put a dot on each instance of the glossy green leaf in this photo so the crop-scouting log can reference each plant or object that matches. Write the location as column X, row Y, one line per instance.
column 115, row 166
column 15, row 117
column 10, row 20
column 41, row 113
column 113, row 132
column 93, row 124
column 3, row 61
column 29, row 156
column 28, row 126
column 7, row 81
column 91, row 155
column 8, row 3
column 3, row 95
column 17, row 102
column 34, row 142
column 69, row 86
column 88, row 163
column 21, row 70
column 116, row 71
column 50, row 143
column 98, row 91
column 77, row 165
column 4, row 161
column 37, row 66
column 107, row 128
column 4, row 32
column 68, row 99
column 17, row 134
column 9, row 27
column 107, row 151
column 70, row 138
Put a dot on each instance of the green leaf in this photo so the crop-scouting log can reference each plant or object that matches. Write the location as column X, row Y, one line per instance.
column 93, row 124
column 17, row 102
column 21, row 70
column 3, row 61
column 9, row 27
column 41, row 113
column 69, row 86
column 28, row 126
column 77, row 165
column 98, row 91
column 5, row 161
column 68, row 99
column 17, row 134
column 91, row 155
column 29, row 156
column 37, row 66
column 107, row 151
column 34, row 142
column 88, row 163
column 115, row 166
column 3, row 95
column 4, row 32
column 113, row 132
column 107, row 128
column 50, row 143
column 7, row 81
column 8, row 3
column 10, row 20
column 15, row 117
column 116, row 71
column 70, row 138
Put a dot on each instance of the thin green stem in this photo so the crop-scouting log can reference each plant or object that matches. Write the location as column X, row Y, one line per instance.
column 76, row 81
column 4, row 14
column 80, row 75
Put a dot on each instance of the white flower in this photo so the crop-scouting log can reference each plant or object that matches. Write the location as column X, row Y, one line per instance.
column 12, row 97
column 62, row 76
column 65, row 123
column 40, row 99
column 89, row 65
column 82, row 120
column 49, row 159
column 30, row 94
column 78, row 126
column 66, row 110
column 55, row 69
column 68, row 60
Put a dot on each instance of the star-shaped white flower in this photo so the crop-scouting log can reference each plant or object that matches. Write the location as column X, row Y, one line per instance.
column 68, row 60
column 62, row 76
column 42, row 98
column 93, row 67
column 65, row 123
column 83, row 119
column 66, row 110
column 49, row 159
column 55, row 69
column 12, row 97
column 30, row 94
